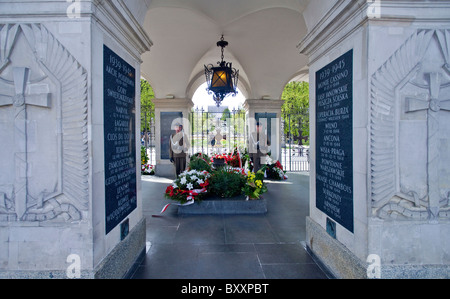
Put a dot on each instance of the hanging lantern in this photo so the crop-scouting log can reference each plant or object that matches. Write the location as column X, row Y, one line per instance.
column 223, row 79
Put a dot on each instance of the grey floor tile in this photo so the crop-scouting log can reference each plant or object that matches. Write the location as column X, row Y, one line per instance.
column 293, row 271
column 201, row 230
column 248, row 229
column 165, row 261
column 283, row 254
column 229, row 265
column 237, row 248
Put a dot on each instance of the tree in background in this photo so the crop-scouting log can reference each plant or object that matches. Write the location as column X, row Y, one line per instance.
column 295, row 110
column 147, row 106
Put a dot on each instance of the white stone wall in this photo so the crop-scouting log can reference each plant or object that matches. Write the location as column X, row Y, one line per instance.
column 52, row 191
column 410, row 217
column 400, row 130
column 322, row 50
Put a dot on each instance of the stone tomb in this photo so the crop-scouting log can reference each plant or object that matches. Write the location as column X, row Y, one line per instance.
column 225, row 206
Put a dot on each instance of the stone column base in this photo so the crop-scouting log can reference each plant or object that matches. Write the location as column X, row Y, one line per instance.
column 338, row 260
column 120, row 263
column 165, row 171
column 342, row 263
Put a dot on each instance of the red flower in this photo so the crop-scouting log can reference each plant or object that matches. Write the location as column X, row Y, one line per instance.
column 278, row 164
column 169, row 190
column 205, row 184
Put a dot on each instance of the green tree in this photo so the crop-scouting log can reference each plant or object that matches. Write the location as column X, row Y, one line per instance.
column 296, row 109
column 147, row 106
column 225, row 114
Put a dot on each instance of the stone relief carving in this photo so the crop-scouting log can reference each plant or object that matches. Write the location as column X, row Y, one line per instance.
column 43, row 110
column 410, row 130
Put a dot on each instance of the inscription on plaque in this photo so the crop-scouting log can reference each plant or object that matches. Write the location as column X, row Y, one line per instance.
column 119, row 79
column 334, row 136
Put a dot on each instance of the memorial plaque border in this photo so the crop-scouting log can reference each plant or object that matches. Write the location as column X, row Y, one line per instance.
column 119, row 112
column 334, row 140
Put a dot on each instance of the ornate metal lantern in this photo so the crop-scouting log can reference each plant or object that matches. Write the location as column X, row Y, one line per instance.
column 223, row 79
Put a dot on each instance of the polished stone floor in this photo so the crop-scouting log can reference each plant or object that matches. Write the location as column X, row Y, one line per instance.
column 266, row 246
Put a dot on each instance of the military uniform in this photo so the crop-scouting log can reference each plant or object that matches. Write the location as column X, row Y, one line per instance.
column 179, row 146
column 259, row 147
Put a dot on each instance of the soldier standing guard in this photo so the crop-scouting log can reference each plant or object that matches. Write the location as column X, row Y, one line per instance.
column 259, row 146
column 179, row 146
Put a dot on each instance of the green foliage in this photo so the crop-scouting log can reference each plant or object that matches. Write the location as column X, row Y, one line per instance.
column 200, row 162
column 227, row 183
column 225, row 114
column 147, row 106
column 144, row 157
column 296, row 108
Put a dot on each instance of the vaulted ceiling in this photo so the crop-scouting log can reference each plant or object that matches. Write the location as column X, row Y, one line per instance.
column 263, row 35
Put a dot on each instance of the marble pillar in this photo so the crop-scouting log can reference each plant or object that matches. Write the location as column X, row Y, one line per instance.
column 398, row 201
column 53, row 180
column 268, row 112
column 168, row 112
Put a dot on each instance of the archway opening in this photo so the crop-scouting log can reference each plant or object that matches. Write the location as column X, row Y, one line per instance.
column 295, row 127
column 202, row 99
column 217, row 130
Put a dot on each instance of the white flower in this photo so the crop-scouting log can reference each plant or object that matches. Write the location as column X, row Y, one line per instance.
column 183, row 180
column 190, row 186
column 200, row 181
column 194, row 177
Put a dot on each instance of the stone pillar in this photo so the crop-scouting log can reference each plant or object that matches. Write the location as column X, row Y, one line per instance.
column 269, row 114
column 167, row 113
column 70, row 202
column 379, row 196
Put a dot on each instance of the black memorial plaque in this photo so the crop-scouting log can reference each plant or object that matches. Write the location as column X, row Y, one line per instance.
column 334, row 136
column 167, row 130
column 119, row 95
column 268, row 118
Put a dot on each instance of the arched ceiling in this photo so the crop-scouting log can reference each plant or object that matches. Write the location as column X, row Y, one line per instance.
column 263, row 35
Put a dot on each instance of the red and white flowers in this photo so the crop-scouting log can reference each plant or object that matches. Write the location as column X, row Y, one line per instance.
column 189, row 186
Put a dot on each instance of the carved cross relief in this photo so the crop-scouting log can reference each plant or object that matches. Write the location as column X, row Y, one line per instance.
column 432, row 103
column 43, row 104
column 19, row 101
column 409, row 129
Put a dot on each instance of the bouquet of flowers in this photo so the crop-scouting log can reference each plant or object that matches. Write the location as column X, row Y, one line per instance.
column 233, row 159
column 147, row 169
column 254, row 186
column 274, row 169
column 217, row 157
column 189, row 186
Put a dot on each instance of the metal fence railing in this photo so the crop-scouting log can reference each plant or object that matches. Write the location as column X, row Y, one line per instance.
column 221, row 132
